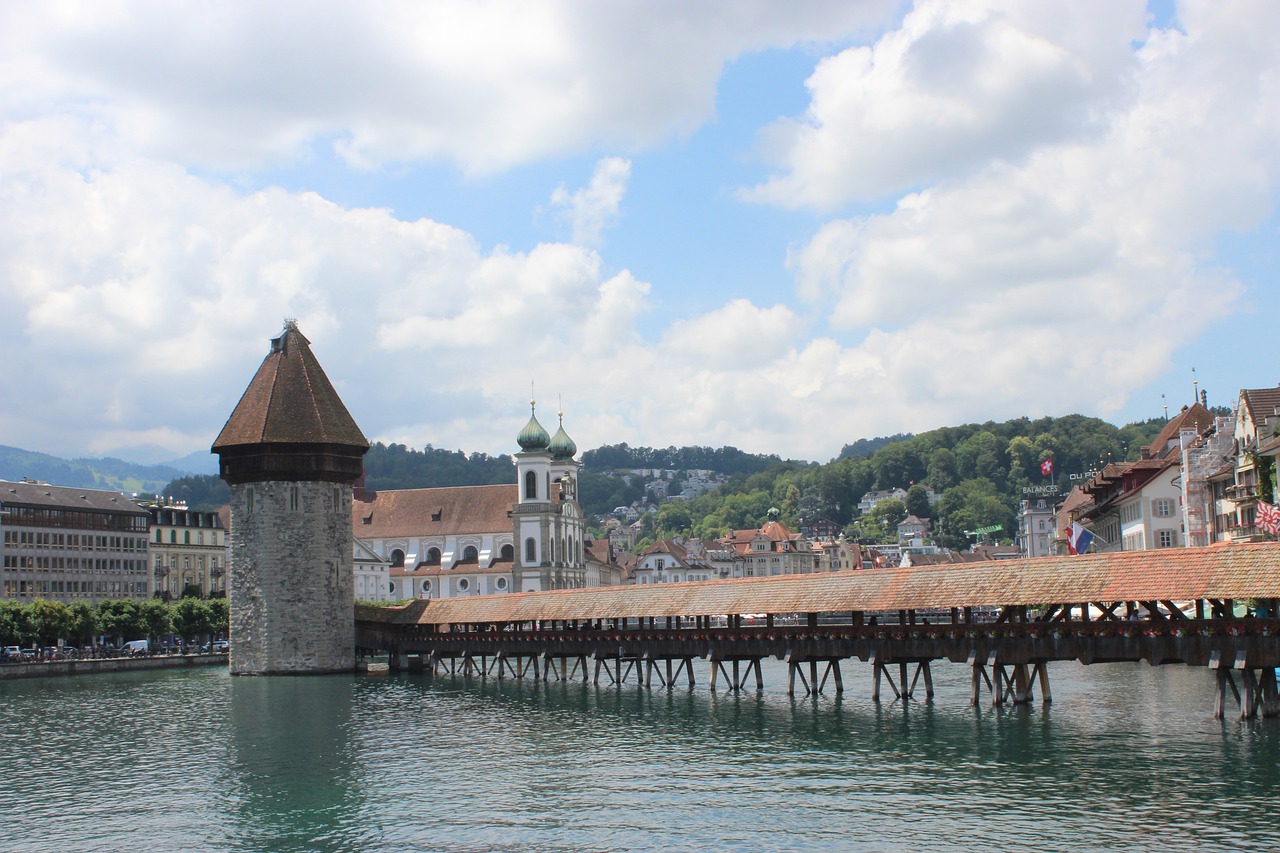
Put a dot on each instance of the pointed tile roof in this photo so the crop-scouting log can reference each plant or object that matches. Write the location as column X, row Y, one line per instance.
column 290, row 401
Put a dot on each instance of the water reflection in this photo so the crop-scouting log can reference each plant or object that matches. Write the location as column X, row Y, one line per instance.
column 292, row 764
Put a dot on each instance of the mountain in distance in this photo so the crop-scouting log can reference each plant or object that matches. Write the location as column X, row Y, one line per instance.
column 108, row 474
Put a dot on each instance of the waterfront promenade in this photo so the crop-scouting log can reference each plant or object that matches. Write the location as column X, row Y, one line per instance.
column 96, row 666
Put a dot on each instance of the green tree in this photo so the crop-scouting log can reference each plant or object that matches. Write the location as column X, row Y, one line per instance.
column 156, row 618
column 220, row 616
column 673, row 519
column 192, row 618
column 942, row 470
column 917, row 502
column 54, row 620
column 11, row 620
column 121, row 619
column 84, row 622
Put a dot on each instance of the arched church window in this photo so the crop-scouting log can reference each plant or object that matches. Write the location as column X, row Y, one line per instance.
column 433, row 556
column 397, row 559
column 530, row 550
column 530, row 485
column 508, row 552
column 470, row 554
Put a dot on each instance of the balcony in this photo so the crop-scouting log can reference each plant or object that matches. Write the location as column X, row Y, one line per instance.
column 1241, row 492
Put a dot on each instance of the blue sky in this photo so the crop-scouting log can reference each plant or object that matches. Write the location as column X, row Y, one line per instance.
column 778, row 226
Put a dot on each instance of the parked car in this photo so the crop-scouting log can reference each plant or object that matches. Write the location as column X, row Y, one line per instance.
column 12, row 654
column 136, row 647
column 217, row 647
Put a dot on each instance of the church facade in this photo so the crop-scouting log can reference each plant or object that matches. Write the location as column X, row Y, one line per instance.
column 527, row 536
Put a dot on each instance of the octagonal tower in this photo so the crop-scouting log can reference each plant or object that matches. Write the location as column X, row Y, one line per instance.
column 290, row 452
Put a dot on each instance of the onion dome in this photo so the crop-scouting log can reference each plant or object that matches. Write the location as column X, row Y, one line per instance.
column 533, row 438
column 562, row 447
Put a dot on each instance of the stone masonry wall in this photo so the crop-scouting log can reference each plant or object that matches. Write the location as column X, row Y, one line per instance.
column 290, row 580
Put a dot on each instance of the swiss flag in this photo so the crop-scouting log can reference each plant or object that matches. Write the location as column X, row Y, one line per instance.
column 1046, row 467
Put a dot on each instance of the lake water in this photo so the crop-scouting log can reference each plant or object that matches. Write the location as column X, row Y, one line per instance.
column 1128, row 757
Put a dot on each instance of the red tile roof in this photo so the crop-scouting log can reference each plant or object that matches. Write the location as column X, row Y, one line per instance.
column 290, row 401
column 434, row 512
column 1234, row 571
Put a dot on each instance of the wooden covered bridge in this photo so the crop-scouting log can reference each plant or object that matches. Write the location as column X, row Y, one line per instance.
column 1214, row 607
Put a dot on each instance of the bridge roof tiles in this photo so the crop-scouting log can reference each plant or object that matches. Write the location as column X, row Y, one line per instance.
column 1236, row 571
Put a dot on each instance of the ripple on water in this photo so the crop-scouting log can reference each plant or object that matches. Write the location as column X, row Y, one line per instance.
column 1127, row 757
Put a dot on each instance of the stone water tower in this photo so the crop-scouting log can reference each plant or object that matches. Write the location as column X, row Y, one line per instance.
column 290, row 452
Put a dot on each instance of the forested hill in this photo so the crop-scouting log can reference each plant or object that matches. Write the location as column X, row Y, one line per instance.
column 722, row 460
column 114, row 475
column 980, row 472
column 395, row 466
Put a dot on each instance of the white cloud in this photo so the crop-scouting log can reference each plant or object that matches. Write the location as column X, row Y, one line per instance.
column 1050, row 249
column 486, row 85
column 1064, row 281
column 594, row 207
column 959, row 84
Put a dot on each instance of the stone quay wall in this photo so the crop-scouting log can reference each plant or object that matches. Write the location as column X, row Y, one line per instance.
column 100, row 665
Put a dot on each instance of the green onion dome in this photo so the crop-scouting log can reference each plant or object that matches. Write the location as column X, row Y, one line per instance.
column 533, row 437
column 562, row 447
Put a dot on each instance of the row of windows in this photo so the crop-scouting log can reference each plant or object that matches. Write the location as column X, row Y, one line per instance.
column 38, row 540
column 26, row 516
column 73, row 564
column 162, row 563
column 186, row 537
column 432, row 558
column 15, row 588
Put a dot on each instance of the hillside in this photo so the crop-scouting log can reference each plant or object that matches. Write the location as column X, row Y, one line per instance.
column 109, row 474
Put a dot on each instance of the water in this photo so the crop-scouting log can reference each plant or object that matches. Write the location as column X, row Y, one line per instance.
column 1127, row 758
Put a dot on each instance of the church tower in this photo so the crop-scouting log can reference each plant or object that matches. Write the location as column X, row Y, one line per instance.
column 548, row 523
column 290, row 452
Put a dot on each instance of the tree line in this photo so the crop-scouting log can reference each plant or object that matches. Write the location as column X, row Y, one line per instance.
column 43, row 622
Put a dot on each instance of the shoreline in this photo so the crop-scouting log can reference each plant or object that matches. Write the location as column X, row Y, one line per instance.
column 42, row 669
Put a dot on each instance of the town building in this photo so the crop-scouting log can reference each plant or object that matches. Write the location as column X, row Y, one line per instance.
column 668, row 561
column 1136, row 506
column 71, row 544
column 772, row 550
column 189, row 552
column 1036, row 527
column 838, row 554
column 371, row 573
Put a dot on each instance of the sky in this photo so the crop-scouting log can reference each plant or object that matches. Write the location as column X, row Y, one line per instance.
column 777, row 226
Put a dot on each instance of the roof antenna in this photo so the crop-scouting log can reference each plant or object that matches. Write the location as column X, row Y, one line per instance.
column 1195, row 386
column 1166, row 407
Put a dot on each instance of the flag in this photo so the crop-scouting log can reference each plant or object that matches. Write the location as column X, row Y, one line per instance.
column 1079, row 539
column 1268, row 518
column 1046, row 467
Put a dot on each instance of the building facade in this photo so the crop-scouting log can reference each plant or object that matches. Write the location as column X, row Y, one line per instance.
column 528, row 536
column 189, row 551
column 772, row 550
column 70, row 544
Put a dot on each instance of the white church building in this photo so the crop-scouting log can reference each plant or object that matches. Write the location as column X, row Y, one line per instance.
column 528, row 536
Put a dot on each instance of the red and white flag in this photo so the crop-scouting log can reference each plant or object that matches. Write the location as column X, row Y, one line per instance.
column 1046, row 467
column 1268, row 518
